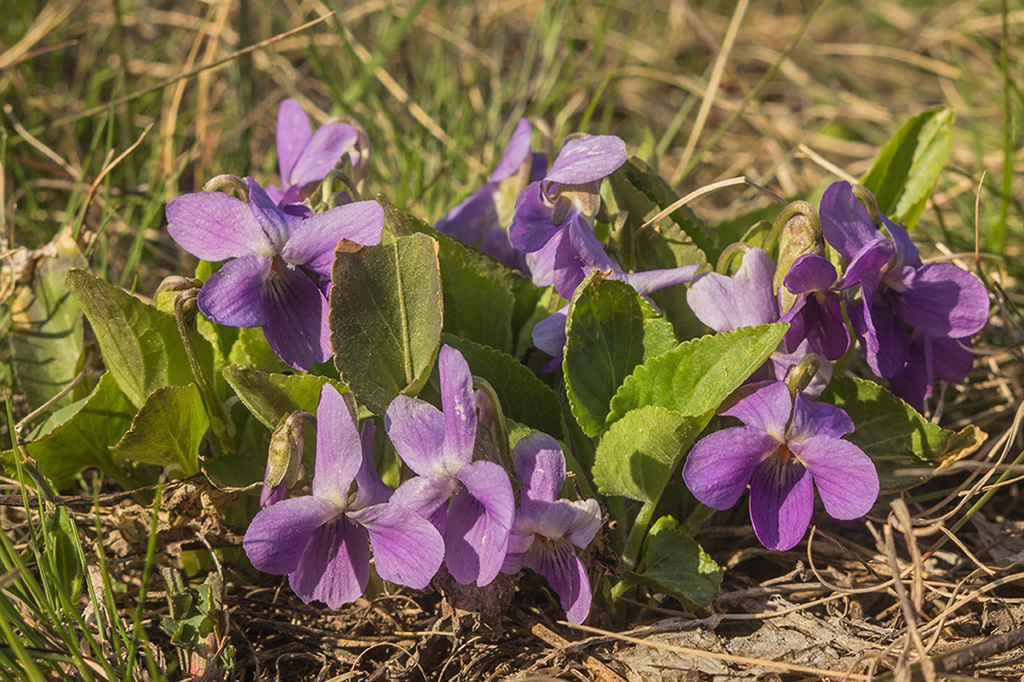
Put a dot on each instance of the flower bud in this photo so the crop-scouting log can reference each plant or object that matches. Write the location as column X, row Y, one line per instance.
column 798, row 232
column 284, row 457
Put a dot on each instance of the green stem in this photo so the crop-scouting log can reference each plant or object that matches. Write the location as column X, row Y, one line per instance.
column 696, row 519
column 635, row 539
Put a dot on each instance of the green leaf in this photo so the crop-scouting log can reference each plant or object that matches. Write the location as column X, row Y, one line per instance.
column 677, row 566
column 905, row 172
column 906, row 448
column 83, row 439
column 524, row 398
column 476, row 304
column 253, row 346
column 605, row 340
column 386, row 315
column 694, row 378
column 659, row 336
column 46, row 325
column 168, row 430
column 638, row 454
column 141, row 346
column 63, row 555
column 271, row 396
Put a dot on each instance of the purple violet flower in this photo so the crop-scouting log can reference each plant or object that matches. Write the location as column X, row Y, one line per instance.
column 817, row 312
column 482, row 219
column 747, row 299
column 940, row 300
column 438, row 445
column 281, row 273
column 929, row 357
column 305, row 157
column 322, row 541
column 546, row 528
column 554, row 216
column 785, row 450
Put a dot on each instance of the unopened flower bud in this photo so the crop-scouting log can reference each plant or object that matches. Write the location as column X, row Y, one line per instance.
column 798, row 232
column 284, row 457
column 170, row 288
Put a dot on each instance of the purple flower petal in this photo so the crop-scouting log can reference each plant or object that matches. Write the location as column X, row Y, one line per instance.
column 881, row 335
column 215, row 226
column 586, row 524
column 540, row 466
column 905, row 247
column 781, row 502
column 370, row 489
column 335, row 567
column 416, row 429
column 293, row 133
column 810, row 272
column 232, row 294
column 549, row 334
column 818, row 317
column 531, row 226
column 407, row 550
column 472, row 218
column 516, row 154
column 953, row 362
column 566, row 574
column 315, row 239
column 329, row 143
column 944, row 301
column 746, row 299
column 811, row 418
column 719, row 466
column 586, row 159
column 337, row 448
column 276, row 224
column 278, row 534
column 766, row 409
column 914, row 383
column 649, row 281
column 845, row 477
column 295, row 319
column 845, row 221
column 458, row 406
column 479, row 519
column 426, row 495
column 868, row 263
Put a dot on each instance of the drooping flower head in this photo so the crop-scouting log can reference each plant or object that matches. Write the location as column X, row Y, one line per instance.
column 281, row 273
column 305, row 157
column 482, row 219
column 322, row 541
column 546, row 529
column 554, row 217
column 940, row 300
column 438, row 445
column 787, row 447
column 816, row 313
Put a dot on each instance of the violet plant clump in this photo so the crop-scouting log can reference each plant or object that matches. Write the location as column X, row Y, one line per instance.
column 788, row 446
column 322, row 541
column 280, row 275
column 469, row 501
column 547, row 529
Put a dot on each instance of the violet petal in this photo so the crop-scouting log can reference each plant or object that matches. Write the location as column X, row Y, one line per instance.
column 531, row 226
column 370, row 489
column 586, row 159
column 549, row 334
column 781, row 502
column 407, row 550
column 649, row 281
column 458, row 406
column 810, row 272
column 516, row 154
column 295, row 319
column 315, row 239
column 232, row 294
column 844, row 476
column 744, row 300
column 276, row 224
column 766, row 409
column 479, row 519
column 416, row 429
column 277, row 535
column 335, row 567
column 329, row 143
column 845, row 222
column 426, row 495
column 944, row 301
column 215, row 226
column 540, row 466
column 720, row 465
column 566, row 575
column 293, row 133
column 338, row 452
column 812, row 418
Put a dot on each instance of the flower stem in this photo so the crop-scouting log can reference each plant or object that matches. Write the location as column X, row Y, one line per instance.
column 696, row 519
column 635, row 539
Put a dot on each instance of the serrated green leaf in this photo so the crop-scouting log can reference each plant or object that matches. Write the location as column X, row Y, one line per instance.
column 694, row 378
column 46, row 325
column 640, row 451
column 524, row 398
column 168, row 430
column 905, row 447
column 476, row 304
column 386, row 317
column 141, row 346
column 83, row 440
column 677, row 566
column 605, row 341
column 906, row 170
